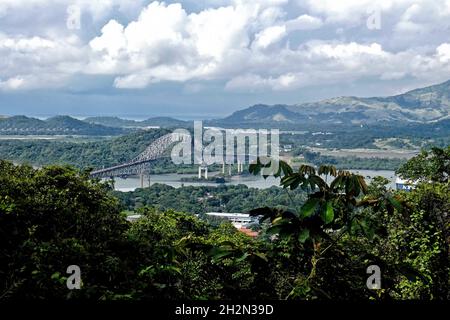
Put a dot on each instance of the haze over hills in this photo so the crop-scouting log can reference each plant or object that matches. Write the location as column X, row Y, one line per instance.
column 423, row 105
column 123, row 123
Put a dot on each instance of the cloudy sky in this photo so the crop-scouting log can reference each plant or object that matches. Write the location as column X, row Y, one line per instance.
column 202, row 59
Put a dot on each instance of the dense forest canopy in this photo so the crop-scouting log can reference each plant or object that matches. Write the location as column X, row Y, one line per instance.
column 317, row 247
column 199, row 200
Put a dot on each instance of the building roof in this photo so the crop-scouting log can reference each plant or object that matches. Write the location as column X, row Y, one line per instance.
column 248, row 232
column 228, row 215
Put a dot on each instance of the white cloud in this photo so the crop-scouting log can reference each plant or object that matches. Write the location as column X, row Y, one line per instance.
column 96, row 8
column 214, row 32
column 269, row 36
column 11, row 83
column 26, row 45
column 347, row 52
column 321, row 63
column 255, row 83
column 166, row 43
column 304, row 22
column 443, row 52
column 249, row 45
column 111, row 41
column 38, row 62
column 348, row 11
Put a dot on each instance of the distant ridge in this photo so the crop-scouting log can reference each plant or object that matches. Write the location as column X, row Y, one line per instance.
column 123, row 123
column 424, row 105
column 59, row 125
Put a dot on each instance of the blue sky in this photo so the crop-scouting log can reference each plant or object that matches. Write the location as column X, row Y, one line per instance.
column 206, row 59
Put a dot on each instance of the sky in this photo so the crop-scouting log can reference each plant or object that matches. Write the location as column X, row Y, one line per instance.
column 199, row 59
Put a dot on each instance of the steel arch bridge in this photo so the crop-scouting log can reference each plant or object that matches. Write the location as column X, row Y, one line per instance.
column 141, row 164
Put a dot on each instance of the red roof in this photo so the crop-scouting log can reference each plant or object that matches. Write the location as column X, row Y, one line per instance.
column 249, row 232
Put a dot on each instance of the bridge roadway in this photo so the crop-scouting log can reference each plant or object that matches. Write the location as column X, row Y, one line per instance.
column 141, row 164
column 157, row 150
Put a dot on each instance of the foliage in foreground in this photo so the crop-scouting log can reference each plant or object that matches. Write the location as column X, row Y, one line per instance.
column 317, row 249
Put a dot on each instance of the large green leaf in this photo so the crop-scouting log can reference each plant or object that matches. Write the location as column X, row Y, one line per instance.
column 303, row 236
column 395, row 203
column 327, row 170
column 328, row 213
column 309, row 207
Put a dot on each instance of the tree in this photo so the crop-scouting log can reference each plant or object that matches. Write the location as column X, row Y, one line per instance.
column 328, row 238
column 431, row 165
column 430, row 200
column 50, row 219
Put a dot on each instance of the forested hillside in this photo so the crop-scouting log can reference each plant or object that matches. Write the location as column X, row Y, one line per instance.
column 82, row 155
column 430, row 104
column 199, row 200
column 60, row 125
column 318, row 247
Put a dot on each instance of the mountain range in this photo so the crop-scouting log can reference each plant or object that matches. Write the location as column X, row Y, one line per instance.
column 59, row 125
column 425, row 105
column 95, row 126
column 421, row 106
column 123, row 123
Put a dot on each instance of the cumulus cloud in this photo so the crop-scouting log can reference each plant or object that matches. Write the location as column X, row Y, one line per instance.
column 349, row 11
column 304, row 22
column 96, row 8
column 256, row 83
column 167, row 43
column 35, row 62
column 443, row 52
column 249, row 45
column 269, row 36
column 12, row 83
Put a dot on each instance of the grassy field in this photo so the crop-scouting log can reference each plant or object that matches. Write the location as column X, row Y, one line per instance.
column 367, row 153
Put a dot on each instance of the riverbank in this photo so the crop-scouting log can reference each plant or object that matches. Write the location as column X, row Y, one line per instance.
column 176, row 180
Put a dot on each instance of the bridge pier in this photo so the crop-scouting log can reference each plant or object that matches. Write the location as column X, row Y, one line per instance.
column 113, row 182
column 142, row 177
column 202, row 168
column 142, row 180
column 240, row 167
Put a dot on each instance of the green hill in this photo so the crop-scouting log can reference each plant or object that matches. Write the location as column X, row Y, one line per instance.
column 425, row 105
column 89, row 154
column 60, row 125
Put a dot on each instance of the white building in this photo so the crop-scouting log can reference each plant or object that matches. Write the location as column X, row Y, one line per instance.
column 406, row 185
column 239, row 220
column 134, row 217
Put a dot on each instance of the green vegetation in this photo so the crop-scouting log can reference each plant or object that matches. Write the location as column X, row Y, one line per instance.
column 81, row 155
column 113, row 151
column 199, row 200
column 92, row 154
column 410, row 107
column 55, row 217
column 315, row 243
column 60, row 125
column 350, row 162
column 219, row 178
column 352, row 136
column 431, row 165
